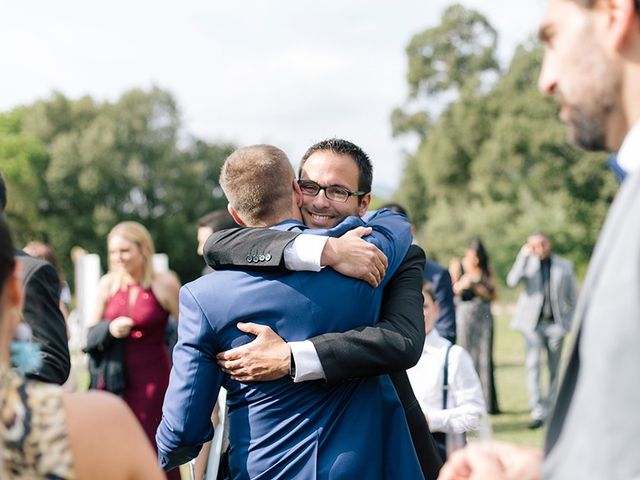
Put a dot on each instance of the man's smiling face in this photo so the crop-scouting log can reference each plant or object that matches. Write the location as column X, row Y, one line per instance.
column 327, row 168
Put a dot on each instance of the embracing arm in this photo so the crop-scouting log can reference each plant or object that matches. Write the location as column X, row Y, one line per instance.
column 194, row 384
column 394, row 343
column 238, row 247
column 400, row 334
column 269, row 249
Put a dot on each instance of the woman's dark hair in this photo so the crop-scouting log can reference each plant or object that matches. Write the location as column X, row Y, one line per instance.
column 483, row 258
column 7, row 260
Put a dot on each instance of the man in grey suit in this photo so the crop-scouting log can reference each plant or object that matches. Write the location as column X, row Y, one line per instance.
column 543, row 314
column 591, row 65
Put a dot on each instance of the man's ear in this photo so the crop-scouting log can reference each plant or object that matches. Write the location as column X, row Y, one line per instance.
column 364, row 204
column 297, row 193
column 621, row 18
column 234, row 214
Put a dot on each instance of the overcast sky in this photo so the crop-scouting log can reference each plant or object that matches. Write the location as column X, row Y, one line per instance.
column 286, row 72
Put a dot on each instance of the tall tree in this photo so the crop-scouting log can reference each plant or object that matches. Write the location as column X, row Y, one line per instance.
column 495, row 162
column 84, row 166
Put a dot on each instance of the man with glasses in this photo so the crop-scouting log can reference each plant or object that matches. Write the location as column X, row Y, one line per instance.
column 335, row 178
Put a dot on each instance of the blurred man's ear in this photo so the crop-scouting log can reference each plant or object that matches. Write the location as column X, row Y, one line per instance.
column 621, row 16
column 364, row 204
column 298, row 193
column 235, row 215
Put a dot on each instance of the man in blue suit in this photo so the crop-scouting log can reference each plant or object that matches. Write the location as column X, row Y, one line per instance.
column 281, row 429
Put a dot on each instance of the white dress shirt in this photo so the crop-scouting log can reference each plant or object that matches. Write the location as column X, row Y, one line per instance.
column 629, row 153
column 465, row 402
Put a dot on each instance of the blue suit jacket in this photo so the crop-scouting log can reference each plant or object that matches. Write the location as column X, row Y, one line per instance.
column 279, row 429
column 440, row 280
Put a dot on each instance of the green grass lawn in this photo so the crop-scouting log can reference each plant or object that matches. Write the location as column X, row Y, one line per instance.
column 511, row 424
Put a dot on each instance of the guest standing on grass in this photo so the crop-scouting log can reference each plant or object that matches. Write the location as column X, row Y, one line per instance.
column 474, row 285
column 543, row 315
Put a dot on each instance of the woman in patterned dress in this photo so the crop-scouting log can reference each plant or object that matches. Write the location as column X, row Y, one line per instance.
column 48, row 434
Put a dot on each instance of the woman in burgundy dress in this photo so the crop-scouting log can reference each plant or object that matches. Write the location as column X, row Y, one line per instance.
column 134, row 303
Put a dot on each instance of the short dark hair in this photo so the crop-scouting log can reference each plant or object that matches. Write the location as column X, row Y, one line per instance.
column 217, row 220
column 3, row 193
column 345, row 147
column 396, row 207
column 7, row 251
column 427, row 288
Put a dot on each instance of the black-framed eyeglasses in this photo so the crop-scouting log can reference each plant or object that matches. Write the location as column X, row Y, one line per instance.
column 332, row 192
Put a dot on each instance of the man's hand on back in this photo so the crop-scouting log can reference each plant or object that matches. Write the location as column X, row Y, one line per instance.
column 267, row 357
column 353, row 257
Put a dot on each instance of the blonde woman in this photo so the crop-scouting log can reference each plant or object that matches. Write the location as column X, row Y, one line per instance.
column 46, row 433
column 127, row 340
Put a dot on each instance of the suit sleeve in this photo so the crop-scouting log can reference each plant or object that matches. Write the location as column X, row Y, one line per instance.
column 446, row 321
column 516, row 273
column 193, row 389
column 263, row 248
column 394, row 343
column 248, row 248
column 421, row 437
column 42, row 313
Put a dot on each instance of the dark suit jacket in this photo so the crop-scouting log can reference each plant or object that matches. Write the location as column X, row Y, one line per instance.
column 440, row 279
column 42, row 313
column 392, row 345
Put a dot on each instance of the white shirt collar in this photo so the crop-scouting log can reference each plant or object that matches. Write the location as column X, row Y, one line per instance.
column 433, row 334
column 433, row 340
column 629, row 153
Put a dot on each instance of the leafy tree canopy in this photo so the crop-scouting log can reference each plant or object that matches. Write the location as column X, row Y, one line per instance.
column 75, row 168
column 493, row 159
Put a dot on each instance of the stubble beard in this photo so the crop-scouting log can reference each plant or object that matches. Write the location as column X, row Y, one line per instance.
column 587, row 123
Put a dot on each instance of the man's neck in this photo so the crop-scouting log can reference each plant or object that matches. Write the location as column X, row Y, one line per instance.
column 294, row 214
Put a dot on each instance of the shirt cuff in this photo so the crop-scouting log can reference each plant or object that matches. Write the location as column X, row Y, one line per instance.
column 438, row 420
column 308, row 366
column 304, row 253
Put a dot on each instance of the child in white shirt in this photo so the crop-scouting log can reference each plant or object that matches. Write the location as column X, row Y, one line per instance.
column 463, row 407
